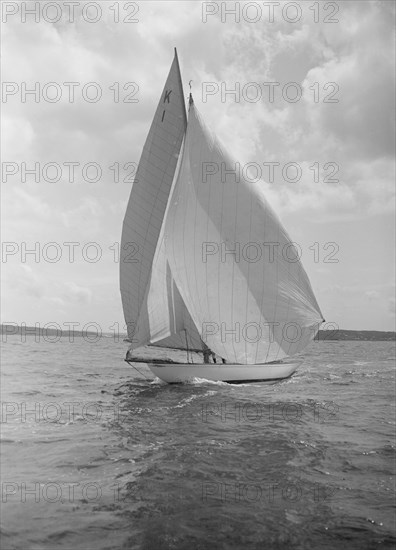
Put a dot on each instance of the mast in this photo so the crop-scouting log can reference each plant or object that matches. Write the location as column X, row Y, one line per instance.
column 180, row 81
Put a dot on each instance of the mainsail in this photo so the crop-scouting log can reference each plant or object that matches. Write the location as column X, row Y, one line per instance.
column 232, row 260
column 153, row 308
column 148, row 200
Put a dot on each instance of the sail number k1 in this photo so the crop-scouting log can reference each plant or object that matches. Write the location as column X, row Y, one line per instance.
column 166, row 100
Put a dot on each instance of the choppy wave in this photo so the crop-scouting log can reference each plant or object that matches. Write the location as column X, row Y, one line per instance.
column 136, row 463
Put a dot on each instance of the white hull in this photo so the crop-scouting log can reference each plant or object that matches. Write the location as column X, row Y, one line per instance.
column 234, row 373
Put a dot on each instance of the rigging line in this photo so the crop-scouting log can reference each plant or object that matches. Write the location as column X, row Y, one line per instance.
column 187, row 350
column 192, row 347
column 133, row 366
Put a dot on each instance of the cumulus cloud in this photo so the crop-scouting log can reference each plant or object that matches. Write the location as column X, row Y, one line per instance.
column 77, row 293
column 356, row 134
column 345, row 115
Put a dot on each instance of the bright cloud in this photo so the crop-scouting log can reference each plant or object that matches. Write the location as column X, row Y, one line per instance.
column 353, row 137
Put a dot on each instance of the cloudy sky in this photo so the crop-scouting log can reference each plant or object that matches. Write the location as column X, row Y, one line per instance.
column 341, row 128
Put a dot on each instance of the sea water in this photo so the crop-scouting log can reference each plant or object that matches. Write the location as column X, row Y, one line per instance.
column 97, row 455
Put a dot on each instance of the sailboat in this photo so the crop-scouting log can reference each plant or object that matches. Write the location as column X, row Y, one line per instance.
column 205, row 261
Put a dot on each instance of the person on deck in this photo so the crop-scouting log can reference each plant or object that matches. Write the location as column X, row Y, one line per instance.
column 208, row 354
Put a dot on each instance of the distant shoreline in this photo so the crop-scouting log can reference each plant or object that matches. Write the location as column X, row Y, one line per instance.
column 323, row 335
column 363, row 335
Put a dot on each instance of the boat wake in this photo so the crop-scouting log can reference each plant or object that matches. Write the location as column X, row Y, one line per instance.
column 196, row 381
